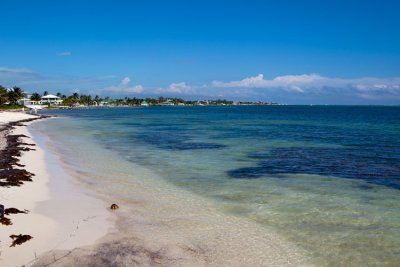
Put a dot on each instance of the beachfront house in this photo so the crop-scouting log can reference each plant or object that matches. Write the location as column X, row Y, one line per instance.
column 144, row 104
column 26, row 101
column 168, row 102
column 51, row 100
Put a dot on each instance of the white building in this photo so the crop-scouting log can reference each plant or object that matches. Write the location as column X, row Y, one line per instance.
column 26, row 101
column 45, row 100
column 51, row 99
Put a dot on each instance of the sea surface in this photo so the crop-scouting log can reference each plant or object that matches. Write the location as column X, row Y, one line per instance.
column 325, row 178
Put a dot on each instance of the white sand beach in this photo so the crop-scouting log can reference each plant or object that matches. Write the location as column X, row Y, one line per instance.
column 60, row 215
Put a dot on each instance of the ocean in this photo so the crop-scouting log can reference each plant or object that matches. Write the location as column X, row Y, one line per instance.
column 324, row 178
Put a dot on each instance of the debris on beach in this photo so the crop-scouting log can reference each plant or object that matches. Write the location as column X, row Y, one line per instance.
column 9, row 157
column 14, row 177
column 114, row 207
column 19, row 239
column 14, row 211
column 5, row 221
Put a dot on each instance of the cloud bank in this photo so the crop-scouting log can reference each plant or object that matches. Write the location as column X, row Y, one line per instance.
column 309, row 83
column 293, row 89
column 123, row 87
column 178, row 88
column 314, row 86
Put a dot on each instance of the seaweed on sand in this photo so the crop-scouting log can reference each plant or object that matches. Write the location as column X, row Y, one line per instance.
column 14, row 211
column 9, row 175
column 5, row 221
column 19, row 239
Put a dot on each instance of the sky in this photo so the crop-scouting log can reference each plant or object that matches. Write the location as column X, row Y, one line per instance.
column 293, row 52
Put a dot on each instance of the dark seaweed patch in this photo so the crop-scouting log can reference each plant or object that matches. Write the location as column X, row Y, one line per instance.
column 191, row 146
column 14, row 211
column 175, row 141
column 5, row 221
column 338, row 162
column 19, row 239
column 9, row 157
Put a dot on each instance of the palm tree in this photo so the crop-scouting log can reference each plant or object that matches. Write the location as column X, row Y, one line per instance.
column 75, row 96
column 45, row 93
column 15, row 94
column 3, row 95
column 86, row 100
column 36, row 97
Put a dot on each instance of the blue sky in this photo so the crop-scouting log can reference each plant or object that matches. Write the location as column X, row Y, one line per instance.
column 298, row 52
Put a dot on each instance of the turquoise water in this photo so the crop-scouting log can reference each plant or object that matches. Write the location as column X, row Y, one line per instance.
column 325, row 178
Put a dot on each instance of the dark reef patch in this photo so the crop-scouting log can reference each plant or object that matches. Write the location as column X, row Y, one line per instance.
column 175, row 141
column 381, row 169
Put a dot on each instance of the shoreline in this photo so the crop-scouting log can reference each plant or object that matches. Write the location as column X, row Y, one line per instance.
column 55, row 217
column 159, row 224
column 150, row 231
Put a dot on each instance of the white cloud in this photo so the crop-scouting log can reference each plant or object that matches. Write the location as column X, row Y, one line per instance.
column 125, row 81
column 4, row 70
column 295, row 83
column 64, row 54
column 16, row 76
column 32, row 81
column 123, row 87
column 314, row 83
column 179, row 88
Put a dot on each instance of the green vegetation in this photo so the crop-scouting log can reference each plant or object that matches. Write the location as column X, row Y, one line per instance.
column 36, row 97
column 9, row 107
column 14, row 94
column 9, row 100
column 87, row 100
column 9, row 97
column 3, row 95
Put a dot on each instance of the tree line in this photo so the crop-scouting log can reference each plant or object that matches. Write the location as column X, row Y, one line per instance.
column 88, row 100
column 14, row 94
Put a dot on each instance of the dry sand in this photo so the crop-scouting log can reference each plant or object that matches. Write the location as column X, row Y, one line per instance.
column 61, row 215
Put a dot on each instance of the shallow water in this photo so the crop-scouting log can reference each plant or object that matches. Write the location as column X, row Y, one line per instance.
column 327, row 179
